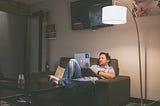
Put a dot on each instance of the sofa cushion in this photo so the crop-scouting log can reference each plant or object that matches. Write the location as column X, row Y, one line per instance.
column 64, row 61
column 114, row 64
column 59, row 72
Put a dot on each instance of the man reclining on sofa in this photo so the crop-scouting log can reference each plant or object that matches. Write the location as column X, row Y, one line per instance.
column 73, row 73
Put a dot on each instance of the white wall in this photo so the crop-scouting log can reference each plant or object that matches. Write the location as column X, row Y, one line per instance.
column 119, row 40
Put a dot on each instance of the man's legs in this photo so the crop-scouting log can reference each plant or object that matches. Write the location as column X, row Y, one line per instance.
column 73, row 76
column 72, row 70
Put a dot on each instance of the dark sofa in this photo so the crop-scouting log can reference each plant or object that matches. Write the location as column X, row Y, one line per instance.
column 105, row 92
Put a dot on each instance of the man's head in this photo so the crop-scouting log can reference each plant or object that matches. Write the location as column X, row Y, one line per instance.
column 104, row 59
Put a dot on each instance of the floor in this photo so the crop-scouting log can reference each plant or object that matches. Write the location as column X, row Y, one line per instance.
column 56, row 104
column 49, row 101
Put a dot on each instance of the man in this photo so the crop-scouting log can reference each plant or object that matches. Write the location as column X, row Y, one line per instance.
column 73, row 73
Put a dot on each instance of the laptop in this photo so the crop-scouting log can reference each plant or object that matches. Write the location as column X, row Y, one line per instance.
column 83, row 59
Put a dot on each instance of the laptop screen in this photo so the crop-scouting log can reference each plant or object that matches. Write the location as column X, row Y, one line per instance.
column 83, row 59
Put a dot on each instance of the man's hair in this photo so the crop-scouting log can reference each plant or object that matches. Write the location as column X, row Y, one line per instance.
column 107, row 56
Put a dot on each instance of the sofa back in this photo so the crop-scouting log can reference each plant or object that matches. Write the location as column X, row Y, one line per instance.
column 114, row 63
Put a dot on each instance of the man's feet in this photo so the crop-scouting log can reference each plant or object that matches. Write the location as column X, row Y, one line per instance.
column 53, row 79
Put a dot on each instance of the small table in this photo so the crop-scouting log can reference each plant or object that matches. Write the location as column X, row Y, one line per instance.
column 33, row 89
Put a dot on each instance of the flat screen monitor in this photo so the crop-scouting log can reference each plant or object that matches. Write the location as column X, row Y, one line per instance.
column 87, row 14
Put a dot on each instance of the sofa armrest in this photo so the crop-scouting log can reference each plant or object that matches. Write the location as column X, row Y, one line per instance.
column 110, row 81
column 112, row 92
column 40, row 79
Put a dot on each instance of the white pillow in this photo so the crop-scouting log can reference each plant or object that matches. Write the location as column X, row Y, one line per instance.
column 59, row 72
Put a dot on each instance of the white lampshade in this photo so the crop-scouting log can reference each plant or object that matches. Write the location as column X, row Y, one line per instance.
column 114, row 14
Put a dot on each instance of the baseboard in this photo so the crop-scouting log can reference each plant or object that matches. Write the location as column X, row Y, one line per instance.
column 138, row 100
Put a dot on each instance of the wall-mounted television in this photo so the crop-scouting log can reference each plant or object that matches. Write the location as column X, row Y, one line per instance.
column 87, row 14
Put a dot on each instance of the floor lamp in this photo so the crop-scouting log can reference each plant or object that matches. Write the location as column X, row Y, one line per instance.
column 117, row 15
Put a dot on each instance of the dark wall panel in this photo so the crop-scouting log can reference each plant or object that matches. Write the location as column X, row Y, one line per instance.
column 12, row 44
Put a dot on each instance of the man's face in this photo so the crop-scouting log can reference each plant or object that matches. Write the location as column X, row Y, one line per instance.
column 103, row 61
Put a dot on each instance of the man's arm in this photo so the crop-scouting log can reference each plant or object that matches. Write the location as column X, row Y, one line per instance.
column 107, row 74
column 104, row 74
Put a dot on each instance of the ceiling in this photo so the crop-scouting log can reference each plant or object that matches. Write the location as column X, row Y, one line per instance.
column 30, row 2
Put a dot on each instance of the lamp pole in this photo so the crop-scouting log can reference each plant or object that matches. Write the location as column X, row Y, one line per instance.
column 117, row 15
column 139, row 57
